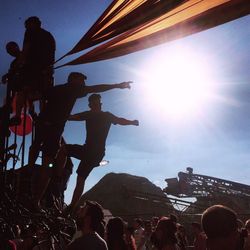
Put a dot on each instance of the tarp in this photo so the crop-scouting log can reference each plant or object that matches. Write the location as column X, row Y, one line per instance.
column 175, row 21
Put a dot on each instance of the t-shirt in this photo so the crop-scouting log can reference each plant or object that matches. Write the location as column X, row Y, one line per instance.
column 97, row 127
column 60, row 100
column 90, row 241
column 41, row 49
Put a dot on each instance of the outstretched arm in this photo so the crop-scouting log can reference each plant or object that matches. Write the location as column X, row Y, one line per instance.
column 78, row 117
column 124, row 122
column 106, row 87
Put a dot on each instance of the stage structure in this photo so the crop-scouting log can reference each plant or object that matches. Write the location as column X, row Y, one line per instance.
column 209, row 191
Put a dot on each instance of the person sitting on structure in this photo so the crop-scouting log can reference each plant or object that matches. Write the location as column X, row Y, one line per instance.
column 50, row 123
column 92, row 152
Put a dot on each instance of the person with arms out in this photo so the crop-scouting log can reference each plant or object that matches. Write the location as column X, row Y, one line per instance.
column 92, row 152
column 50, row 123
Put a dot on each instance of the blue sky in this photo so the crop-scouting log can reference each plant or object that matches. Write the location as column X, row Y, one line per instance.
column 212, row 136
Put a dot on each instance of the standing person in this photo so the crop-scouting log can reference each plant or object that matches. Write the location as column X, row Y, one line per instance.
column 14, row 80
column 115, row 234
column 147, row 235
column 37, row 59
column 164, row 236
column 92, row 152
column 89, row 219
column 38, row 55
column 139, row 234
column 200, row 237
column 51, row 121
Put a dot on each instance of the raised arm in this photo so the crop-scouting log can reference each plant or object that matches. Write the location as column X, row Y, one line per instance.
column 78, row 117
column 106, row 87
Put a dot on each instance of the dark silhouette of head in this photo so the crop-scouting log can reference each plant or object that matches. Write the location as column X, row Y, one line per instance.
column 76, row 78
column 115, row 227
column 220, row 225
column 115, row 233
column 165, row 232
column 13, row 49
column 90, row 217
column 95, row 102
column 32, row 23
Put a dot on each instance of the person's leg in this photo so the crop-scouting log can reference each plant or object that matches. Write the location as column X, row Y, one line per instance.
column 61, row 159
column 78, row 191
column 36, row 145
column 41, row 183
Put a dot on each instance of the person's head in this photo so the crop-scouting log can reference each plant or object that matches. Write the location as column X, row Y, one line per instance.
column 90, row 217
column 95, row 102
column 165, row 232
column 13, row 49
column 220, row 225
column 115, row 228
column 76, row 78
column 32, row 23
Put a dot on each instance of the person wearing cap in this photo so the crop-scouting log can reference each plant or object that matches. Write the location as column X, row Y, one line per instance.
column 59, row 101
column 89, row 220
column 92, row 152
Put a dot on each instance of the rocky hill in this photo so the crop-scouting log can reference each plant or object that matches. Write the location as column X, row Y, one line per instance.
column 129, row 196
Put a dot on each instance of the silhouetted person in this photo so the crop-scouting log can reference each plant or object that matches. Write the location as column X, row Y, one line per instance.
column 51, row 121
column 13, row 75
column 220, row 225
column 14, row 79
column 38, row 55
column 92, row 152
column 164, row 235
column 89, row 221
column 115, row 231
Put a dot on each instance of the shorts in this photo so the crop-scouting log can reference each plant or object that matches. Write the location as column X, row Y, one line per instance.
column 89, row 158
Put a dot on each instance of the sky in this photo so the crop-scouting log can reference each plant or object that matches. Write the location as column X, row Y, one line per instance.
column 191, row 96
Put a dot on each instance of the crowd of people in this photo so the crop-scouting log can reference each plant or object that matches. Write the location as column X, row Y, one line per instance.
column 218, row 229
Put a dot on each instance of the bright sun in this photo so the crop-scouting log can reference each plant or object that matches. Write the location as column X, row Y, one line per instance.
column 178, row 84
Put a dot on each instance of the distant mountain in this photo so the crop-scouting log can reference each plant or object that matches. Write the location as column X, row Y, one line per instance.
column 129, row 196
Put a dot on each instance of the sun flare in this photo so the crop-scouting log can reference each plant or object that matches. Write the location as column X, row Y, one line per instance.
column 178, row 84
